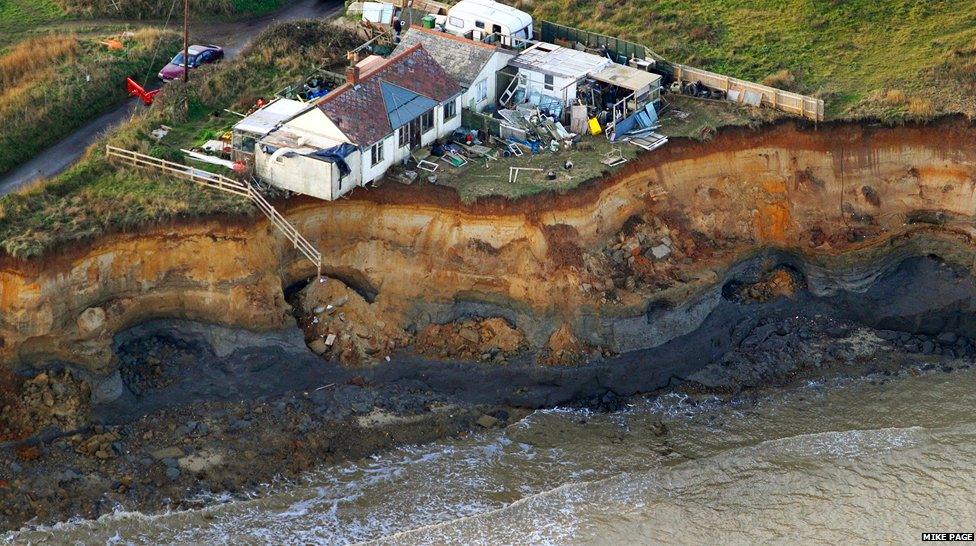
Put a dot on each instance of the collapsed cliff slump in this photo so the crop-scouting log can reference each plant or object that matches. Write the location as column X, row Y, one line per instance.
column 627, row 262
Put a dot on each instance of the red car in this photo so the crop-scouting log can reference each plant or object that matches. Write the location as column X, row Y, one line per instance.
column 199, row 55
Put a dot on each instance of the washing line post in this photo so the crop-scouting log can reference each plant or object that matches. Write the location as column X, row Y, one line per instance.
column 186, row 41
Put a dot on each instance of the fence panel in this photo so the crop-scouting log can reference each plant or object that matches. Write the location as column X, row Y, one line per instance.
column 795, row 103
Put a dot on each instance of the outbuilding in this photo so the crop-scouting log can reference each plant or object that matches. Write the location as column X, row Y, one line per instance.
column 554, row 71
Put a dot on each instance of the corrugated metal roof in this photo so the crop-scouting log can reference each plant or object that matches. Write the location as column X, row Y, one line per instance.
column 266, row 119
column 559, row 61
column 628, row 77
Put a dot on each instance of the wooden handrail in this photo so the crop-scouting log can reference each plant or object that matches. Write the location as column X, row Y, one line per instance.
column 225, row 184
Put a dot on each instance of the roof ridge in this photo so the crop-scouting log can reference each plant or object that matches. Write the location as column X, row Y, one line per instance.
column 454, row 37
column 370, row 74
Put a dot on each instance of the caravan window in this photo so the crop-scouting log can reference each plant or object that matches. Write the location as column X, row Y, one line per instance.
column 455, row 22
column 479, row 24
column 550, row 82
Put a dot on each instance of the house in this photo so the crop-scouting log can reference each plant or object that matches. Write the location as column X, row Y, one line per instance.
column 474, row 65
column 384, row 111
column 554, row 71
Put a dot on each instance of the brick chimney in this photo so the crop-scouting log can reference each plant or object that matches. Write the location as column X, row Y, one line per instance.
column 352, row 75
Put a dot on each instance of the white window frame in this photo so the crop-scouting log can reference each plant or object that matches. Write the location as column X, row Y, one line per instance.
column 376, row 154
column 456, row 22
column 453, row 105
column 549, row 82
column 481, row 90
column 423, row 121
column 403, row 137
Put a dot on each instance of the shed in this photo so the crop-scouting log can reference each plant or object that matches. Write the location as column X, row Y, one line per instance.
column 629, row 78
column 554, row 71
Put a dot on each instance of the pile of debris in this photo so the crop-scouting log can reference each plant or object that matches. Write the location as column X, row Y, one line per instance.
column 780, row 282
column 55, row 399
column 340, row 323
column 565, row 349
column 647, row 252
column 488, row 340
column 101, row 445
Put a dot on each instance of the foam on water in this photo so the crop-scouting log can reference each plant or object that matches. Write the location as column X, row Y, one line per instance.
column 783, row 463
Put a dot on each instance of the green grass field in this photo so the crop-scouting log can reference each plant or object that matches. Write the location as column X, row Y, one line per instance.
column 850, row 52
column 18, row 16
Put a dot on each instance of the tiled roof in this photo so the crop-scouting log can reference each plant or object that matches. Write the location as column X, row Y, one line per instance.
column 360, row 111
column 460, row 57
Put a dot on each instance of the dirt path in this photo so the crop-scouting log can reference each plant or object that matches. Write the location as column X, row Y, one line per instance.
column 232, row 35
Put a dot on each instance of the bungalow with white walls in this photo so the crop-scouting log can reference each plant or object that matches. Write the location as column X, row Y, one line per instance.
column 386, row 109
column 473, row 64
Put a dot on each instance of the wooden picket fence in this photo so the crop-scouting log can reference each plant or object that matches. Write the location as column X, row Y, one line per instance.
column 224, row 184
column 794, row 103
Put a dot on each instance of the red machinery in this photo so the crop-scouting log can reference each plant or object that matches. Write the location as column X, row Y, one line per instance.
column 136, row 90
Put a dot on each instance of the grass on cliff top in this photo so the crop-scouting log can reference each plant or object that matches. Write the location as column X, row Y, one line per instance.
column 94, row 198
column 20, row 19
column 52, row 84
column 886, row 58
column 151, row 9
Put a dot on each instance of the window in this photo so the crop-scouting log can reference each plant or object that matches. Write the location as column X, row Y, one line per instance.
column 450, row 110
column 479, row 24
column 550, row 83
column 376, row 153
column 481, row 90
column 403, row 137
column 455, row 22
column 427, row 121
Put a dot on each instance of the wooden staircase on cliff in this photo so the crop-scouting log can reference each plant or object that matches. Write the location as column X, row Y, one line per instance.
column 224, row 184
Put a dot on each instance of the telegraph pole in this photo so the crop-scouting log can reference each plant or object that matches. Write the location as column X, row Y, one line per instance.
column 186, row 41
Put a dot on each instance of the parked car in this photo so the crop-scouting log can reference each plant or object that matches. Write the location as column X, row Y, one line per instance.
column 199, row 55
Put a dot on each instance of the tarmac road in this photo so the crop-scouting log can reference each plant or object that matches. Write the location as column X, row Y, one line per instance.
column 232, row 35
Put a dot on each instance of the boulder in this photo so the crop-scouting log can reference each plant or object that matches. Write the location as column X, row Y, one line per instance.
column 318, row 346
column 91, row 320
column 487, row 421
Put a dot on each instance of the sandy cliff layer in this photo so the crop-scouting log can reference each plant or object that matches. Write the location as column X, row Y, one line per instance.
column 654, row 234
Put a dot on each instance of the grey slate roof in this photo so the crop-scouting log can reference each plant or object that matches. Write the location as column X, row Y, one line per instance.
column 463, row 59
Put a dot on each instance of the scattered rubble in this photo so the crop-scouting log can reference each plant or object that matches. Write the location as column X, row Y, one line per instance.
column 340, row 323
column 50, row 399
column 780, row 282
column 564, row 348
column 491, row 339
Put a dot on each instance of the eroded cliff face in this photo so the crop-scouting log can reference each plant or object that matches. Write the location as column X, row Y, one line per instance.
column 663, row 228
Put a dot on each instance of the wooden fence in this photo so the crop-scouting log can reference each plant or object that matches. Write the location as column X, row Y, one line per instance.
column 622, row 49
column 225, row 184
column 794, row 103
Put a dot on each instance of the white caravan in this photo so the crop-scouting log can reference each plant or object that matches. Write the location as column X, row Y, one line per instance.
column 479, row 19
